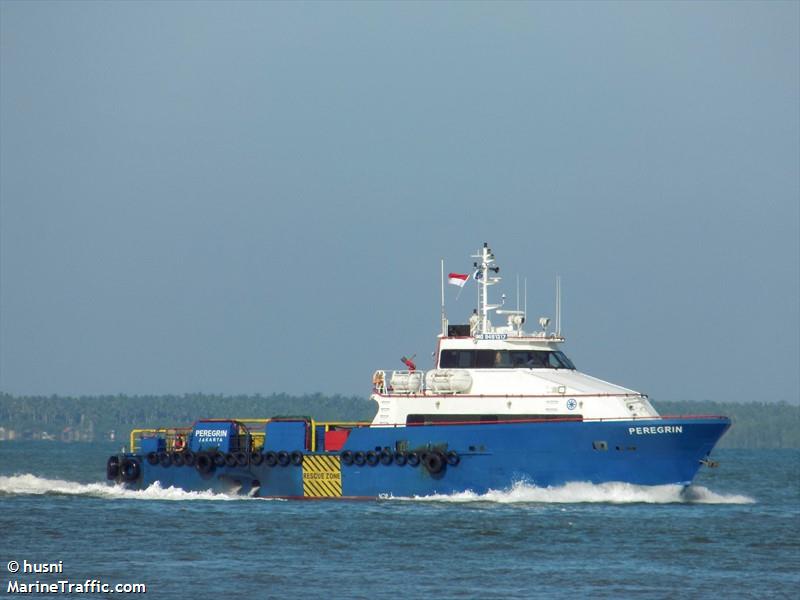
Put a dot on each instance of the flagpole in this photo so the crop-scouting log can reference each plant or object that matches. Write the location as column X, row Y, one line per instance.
column 444, row 318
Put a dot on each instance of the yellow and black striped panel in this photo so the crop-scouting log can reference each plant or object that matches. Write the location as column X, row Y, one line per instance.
column 322, row 476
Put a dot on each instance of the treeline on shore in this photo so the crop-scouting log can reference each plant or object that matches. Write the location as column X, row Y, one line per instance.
column 91, row 418
column 755, row 424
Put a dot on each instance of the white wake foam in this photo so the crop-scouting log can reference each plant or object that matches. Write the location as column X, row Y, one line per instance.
column 570, row 493
column 28, row 484
column 610, row 493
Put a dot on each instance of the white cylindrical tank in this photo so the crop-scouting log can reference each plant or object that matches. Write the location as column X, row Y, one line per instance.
column 448, row 381
column 406, row 382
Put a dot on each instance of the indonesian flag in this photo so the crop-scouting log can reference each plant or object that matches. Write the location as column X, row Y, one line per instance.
column 457, row 279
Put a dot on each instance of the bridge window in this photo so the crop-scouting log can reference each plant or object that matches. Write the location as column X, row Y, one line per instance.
column 504, row 359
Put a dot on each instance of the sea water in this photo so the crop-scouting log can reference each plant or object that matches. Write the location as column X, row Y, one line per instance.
column 735, row 533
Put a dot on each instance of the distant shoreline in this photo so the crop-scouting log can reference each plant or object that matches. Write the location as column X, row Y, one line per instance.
column 97, row 418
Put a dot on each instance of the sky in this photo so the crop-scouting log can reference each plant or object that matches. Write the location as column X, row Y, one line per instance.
column 246, row 198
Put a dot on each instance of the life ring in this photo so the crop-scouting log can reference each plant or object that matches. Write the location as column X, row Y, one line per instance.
column 112, row 467
column 219, row 459
column 256, row 458
column 434, row 462
column 204, row 462
column 152, row 458
column 177, row 459
column 188, row 458
column 359, row 458
column 130, row 469
column 347, row 457
column 283, row 458
column 241, row 458
column 452, row 458
column 400, row 458
column 164, row 459
column 179, row 444
column 271, row 458
column 297, row 458
column 386, row 456
column 413, row 459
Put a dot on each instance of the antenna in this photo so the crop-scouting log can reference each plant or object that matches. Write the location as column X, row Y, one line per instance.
column 558, row 305
column 525, row 310
column 517, row 291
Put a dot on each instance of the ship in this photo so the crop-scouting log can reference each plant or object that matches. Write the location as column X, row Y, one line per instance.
column 500, row 407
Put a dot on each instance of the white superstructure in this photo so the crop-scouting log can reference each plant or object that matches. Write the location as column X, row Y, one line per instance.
column 499, row 373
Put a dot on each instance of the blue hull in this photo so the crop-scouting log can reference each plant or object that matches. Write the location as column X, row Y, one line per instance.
column 483, row 456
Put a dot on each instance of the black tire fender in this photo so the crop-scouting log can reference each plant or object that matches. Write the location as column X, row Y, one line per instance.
column 434, row 462
column 130, row 469
column 204, row 462
column 241, row 458
column 112, row 467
